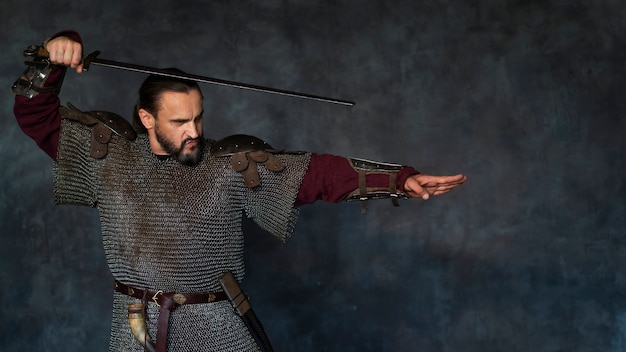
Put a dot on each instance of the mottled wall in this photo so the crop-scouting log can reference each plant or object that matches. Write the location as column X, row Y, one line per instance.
column 525, row 97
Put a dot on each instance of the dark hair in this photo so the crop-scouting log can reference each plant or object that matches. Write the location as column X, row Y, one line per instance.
column 151, row 90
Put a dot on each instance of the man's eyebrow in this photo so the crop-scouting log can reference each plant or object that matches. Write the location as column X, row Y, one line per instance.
column 185, row 119
column 180, row 119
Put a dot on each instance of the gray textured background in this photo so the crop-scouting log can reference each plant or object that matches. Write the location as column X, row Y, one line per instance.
column 525, row 97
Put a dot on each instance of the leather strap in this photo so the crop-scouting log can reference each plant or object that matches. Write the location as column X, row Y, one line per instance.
column 393, row 189
column 363, row 190
column 167, row 302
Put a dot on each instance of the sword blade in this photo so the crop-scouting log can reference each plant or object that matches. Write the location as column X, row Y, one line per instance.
column 92, row 59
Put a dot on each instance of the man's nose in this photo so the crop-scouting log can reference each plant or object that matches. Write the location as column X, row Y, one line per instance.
column 193, row 130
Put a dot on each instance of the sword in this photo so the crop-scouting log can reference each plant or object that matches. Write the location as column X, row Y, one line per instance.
column 92, row 59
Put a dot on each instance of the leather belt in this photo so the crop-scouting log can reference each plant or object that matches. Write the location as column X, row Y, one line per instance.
column 167, row 302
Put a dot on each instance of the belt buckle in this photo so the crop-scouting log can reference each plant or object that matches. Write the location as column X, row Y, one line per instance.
column 156, row 297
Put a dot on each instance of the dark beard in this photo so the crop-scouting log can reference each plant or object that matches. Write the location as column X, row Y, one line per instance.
column 191, row 159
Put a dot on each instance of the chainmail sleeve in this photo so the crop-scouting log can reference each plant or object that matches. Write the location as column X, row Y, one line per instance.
column 271, row 205
column 75, row 180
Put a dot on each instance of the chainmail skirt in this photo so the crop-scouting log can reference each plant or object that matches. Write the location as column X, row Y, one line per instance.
column 193, row 327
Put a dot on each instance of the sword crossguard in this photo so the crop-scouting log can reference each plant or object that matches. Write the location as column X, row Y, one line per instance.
column 88, row 59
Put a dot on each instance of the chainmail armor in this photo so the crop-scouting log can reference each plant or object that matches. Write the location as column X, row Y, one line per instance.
column 170, row 227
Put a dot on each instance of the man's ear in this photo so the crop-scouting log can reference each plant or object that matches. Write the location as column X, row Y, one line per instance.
column 146, row 118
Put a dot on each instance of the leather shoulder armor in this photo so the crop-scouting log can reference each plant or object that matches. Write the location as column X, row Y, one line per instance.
column 238, row 143
column 245, row 153
column 103, row 124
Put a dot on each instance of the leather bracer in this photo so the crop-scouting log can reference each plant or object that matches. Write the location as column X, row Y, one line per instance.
column 364, row 192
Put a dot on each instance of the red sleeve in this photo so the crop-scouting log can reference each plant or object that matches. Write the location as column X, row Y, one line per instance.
column 331, row 178
column 39, row 117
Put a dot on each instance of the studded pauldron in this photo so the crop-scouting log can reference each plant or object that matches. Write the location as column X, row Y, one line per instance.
column 245, row 152
column 103, row 124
